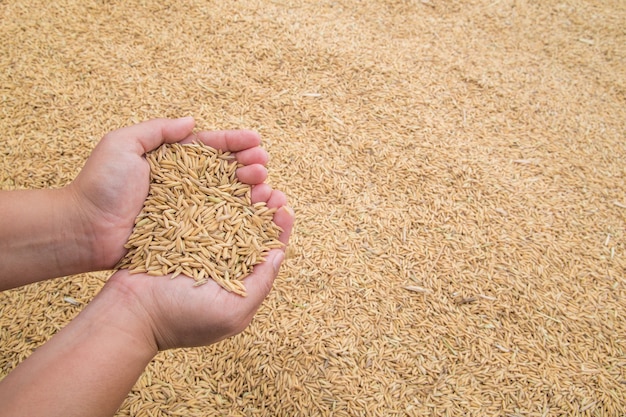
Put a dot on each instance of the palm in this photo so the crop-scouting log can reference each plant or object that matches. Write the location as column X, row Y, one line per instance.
column 114, row 183
column 181, row 315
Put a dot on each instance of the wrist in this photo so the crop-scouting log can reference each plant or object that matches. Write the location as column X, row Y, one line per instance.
column 88, row 367
column 117, row 308
column 42, row 236
column 79, row 221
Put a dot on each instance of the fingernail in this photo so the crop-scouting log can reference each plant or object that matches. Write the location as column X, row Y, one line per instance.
column 278, row 260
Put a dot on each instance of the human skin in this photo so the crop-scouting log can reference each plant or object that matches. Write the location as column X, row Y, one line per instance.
column 83, row 227
column 89, row 366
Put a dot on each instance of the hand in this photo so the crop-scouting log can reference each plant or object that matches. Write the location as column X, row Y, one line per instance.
column 91, row 364
column 177, row 314
column 110, row 190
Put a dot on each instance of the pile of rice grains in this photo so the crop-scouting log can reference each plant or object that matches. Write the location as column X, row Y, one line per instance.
column 199, row 220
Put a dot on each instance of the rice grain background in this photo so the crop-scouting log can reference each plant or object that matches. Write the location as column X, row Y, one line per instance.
column 457, row 171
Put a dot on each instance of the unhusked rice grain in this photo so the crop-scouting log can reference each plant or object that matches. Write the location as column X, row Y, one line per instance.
column 199, row 220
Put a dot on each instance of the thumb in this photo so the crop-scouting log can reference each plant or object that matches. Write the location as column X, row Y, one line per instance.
column 153, row 133
column 259, row 283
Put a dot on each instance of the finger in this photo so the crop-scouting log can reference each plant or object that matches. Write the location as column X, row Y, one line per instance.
column 248, row 156
column 252, row 174
column 252, row 156
column 285, row 219
column 284, row 216
column 260, row 193
column 153, row 133
column 277, row 199
column 230, row 140
column 259, row 283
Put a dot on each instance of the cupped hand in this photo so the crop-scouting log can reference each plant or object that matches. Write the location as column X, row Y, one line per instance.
column 177, row 314
column 110, row 190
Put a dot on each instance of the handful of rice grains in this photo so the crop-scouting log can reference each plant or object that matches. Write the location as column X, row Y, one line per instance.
column 198, row 219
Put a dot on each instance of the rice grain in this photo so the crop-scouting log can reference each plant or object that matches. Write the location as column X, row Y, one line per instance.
column 199, row 220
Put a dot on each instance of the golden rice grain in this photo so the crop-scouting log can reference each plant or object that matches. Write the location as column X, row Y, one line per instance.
column 199, row 220
column 416, row 189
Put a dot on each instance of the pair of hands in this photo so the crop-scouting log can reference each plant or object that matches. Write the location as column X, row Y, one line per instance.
column 109, row 193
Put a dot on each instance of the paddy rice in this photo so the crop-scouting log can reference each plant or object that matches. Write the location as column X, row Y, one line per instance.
column 198, row 219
